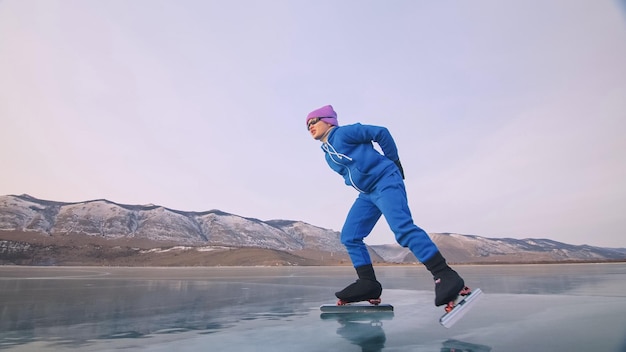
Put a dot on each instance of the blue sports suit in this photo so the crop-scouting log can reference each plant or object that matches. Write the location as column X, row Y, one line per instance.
column 350, row 152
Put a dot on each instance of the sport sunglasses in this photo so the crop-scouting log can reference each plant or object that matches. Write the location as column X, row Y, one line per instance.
column 313, row 121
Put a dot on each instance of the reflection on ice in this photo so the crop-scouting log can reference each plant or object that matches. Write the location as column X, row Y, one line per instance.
column 123, row 309
column 362, row 329
column 370, row 336
column 458, row 346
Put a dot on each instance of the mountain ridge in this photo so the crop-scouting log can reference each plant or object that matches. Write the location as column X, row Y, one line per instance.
column 100, row 226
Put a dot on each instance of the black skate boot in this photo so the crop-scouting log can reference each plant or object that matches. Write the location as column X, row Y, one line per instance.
column 448, row 284
column 366, row 288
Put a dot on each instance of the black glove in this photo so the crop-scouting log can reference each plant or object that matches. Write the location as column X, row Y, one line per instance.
column 399, row 165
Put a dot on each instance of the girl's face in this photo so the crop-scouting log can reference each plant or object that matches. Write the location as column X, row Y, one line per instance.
column 318, row 128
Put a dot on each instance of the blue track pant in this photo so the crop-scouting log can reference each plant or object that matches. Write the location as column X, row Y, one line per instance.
column 389, row 199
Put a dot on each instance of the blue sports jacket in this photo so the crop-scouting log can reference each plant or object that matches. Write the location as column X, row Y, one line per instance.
column 350, row 152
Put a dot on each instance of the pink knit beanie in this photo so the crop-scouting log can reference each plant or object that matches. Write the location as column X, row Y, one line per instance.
column 330, row 116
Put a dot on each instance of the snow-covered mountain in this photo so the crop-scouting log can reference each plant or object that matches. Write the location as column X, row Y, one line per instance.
column 25, row 216
column 476, row 249
column 106, row 219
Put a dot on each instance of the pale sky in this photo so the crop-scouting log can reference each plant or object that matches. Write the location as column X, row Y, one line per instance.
column 509, row 116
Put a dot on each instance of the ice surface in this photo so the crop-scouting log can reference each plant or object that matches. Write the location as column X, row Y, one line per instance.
column 524, row 308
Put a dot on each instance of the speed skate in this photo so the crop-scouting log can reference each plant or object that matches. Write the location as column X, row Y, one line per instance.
column 341, row 307
column 455, row 310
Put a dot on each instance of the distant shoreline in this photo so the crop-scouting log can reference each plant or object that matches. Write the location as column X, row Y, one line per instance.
column 399, row 265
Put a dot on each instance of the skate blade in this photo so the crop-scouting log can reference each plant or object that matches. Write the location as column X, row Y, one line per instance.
column 356, row 308
column 464, row 305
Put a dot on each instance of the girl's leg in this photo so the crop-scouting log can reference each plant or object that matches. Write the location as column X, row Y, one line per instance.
column 360, row 221
column 390, row 197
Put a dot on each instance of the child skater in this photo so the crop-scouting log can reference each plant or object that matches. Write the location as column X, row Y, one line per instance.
column 378, row 178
